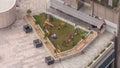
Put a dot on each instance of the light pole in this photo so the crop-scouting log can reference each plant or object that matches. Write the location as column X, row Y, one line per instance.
column 92, row 8
column 45, row 6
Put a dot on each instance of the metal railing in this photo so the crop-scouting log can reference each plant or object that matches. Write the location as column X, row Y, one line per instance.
column 78, row 14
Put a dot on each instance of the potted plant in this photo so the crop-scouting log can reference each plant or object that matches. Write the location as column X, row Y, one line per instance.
column 29, row 11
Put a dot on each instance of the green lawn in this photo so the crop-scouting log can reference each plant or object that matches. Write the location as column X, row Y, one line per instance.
column 62, row 34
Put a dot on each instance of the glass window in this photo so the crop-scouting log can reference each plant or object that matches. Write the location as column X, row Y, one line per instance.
column 107, row 61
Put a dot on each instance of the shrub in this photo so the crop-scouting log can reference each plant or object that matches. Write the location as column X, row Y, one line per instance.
column 90, row 63
column 45, row 35
column 96, row 57
column 83, row 37
column 109, row 44
column 102, row 51
column 29, row 11
column 55, row 51
column 73, row 43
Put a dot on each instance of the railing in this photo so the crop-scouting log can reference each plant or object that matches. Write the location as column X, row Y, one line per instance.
column 98, row 57
column 78, row 14
column 73, row 24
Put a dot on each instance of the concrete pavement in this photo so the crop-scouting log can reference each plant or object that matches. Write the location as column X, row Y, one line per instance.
column 17, row 50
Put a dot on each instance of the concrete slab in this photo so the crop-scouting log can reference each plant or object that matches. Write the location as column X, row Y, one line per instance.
column 17, row 49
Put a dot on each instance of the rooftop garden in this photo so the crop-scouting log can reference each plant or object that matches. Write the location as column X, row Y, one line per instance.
column 62, row 35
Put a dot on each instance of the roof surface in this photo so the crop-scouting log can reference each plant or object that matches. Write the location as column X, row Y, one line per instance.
column 6, row 5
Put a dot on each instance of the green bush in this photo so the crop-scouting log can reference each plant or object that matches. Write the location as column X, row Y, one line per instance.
column 109, row 44
column 96, row 57
column 83, row 37
column 73, row 44
column 45, row 35
column 102, row 51
column 55, row 51
column 90, row 63
column 29, row 11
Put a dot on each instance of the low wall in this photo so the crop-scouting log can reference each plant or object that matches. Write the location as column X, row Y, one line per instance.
column 68, row 55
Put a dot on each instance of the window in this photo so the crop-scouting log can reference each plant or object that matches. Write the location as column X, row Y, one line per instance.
column 106, row 63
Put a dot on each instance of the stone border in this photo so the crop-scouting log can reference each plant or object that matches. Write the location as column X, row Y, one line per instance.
column 68, row 22
column 69, row 56
column 62, row 57
column 73, row 24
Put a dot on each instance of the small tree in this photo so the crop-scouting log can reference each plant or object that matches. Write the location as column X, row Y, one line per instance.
column 55, row 51
column 36, row 21
column 73, row 43
column 83, row 37
column 29, row 11
column 45, row 35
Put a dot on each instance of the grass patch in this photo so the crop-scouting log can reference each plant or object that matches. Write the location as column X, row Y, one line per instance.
column 40, row 18
column 63, row 34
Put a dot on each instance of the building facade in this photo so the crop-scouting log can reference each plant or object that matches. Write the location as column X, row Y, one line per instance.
column 76, row 4
column 107, row 9
column 105, row 58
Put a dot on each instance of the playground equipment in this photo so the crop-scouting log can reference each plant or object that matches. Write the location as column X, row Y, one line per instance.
column 62, row 24
column 47, row 31
column 48, row 23
column 53, row 36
